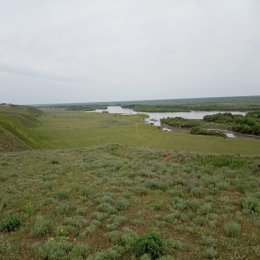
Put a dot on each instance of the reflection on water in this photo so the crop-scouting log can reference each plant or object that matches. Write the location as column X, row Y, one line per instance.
column 120, row 110
column 154, row 118
column 230, row 135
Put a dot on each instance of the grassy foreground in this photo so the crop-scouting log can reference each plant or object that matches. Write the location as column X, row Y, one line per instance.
column 98, row 203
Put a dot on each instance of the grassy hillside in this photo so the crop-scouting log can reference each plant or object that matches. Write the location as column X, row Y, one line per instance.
column 16, row 124
column 102, row 203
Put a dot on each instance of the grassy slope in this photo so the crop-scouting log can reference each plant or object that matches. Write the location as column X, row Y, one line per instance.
column 94, row 203
column 16, row 123
column 78, row 129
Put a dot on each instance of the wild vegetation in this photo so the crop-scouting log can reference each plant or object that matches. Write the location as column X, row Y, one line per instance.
column 118, row 202
column 74, row 194
column 248, row 124
column 193, row 107
column 83, row 107
column 176, row 105
column 58, row 128
column 197, row 130
column 180, row 122
column 197, row 104
column 16, row 123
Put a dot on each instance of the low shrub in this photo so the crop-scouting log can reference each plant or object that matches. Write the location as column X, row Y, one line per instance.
column 122, row 204
column 202, row 131
column 232, row 229
column 10, row 224
column 54, row 162
column 145, row 257
column 53, row 249
column 65, row 208
column 180, row 122
column 205, row 208
column 251, row 204
column 41, row 227
column 158, row 206
column 150, row 244
column 211, row 253
column 177, row 245
column 74, row 225
column 106, row 207
column 63, row 195
column 208, row 241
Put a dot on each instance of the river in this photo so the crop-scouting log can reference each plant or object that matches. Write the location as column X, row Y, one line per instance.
column 154, row 118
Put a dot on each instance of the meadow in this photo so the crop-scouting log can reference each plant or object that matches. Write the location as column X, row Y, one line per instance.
column 98, row 186
column 61, row 129
column 117, row 202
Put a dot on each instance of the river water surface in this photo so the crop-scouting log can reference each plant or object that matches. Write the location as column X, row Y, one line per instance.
column 154, row 118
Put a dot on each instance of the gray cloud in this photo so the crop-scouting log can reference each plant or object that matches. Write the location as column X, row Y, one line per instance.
column 97, row 50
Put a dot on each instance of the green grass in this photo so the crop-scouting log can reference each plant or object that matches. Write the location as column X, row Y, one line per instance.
column 16, row 124
column 140, row 194
column 61, row 129
column 103, row 202
column 57, row 128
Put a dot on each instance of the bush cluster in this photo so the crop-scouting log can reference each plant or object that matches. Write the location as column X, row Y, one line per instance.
column 10, row 224
column 202, row 131
column 150, row 244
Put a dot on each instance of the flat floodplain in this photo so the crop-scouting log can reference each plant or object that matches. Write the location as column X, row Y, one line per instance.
column 60, row 129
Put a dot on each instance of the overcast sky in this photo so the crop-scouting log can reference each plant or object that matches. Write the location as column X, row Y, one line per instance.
column 108, row 50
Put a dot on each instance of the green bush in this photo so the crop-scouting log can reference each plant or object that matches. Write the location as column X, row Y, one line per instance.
column 158, row 206
column 177, row 245
column 41, row 227
column 251, row 204
column 150, row 244
column 10, row 224
column 180, row 122
column 54, row 162
column 106, row 207
column 197, row 130
column 53, row 249
column 211, row 253
column 208, row 241
column 145, row 257
column 63, row 195
column 122, row 204
column 232, row 229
